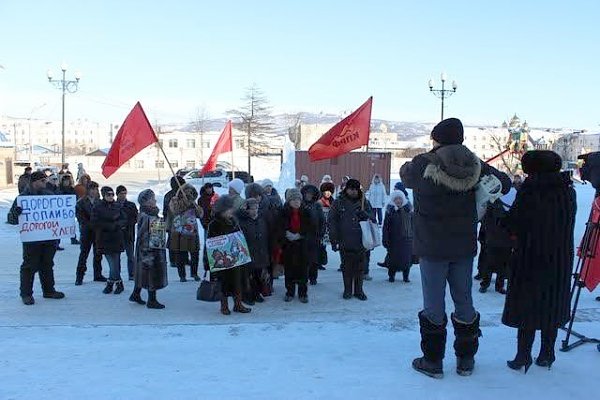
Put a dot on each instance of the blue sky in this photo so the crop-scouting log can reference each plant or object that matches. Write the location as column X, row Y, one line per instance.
column 536, row 58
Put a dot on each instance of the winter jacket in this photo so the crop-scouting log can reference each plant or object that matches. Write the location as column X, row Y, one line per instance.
column 66, row 190
column 543, row 220
column 274, row 200
column 344, row 222
column 377, row 194
column 23, row 182
column 314, row 231
column 131, row 216
column 256, row 234
column 230, row 279
column 183, row 226
column 151, row 264
column 108, row 219
column 294, row 253
column 397, row 236
column 443, row 182
column 206, row 201
column 83, row 211
column 238, row 202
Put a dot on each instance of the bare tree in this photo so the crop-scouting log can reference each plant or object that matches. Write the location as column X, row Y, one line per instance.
column 254, row 118
column 501, row 145
column 200, row 126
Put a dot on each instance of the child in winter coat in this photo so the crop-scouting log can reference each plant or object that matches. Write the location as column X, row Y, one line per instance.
column 294, row 224
column 150, row 259
column 397, row 236
column 496, row 247
column 377, row 195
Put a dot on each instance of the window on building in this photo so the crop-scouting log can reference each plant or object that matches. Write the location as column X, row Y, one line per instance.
column 206, row 145
column 173, row 143
column 159, row 164
column 175, row 164
column 483, row 147
column 191, row 143
column 139, row 164
column 190, row 164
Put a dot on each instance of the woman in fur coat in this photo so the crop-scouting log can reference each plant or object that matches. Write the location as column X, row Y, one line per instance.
column 397, row 236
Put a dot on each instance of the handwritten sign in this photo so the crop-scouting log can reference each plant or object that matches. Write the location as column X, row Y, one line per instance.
column 49, row 217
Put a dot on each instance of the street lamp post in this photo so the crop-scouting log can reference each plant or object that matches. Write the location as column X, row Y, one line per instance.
column 66, row 86
column 442, row 93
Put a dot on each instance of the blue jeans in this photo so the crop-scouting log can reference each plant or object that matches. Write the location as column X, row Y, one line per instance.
column 458, row 274
column 114, row 263
column 129, row 250
column 379, row 215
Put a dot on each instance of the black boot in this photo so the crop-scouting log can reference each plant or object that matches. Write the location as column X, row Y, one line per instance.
column 79, row 276
column 466, row 344
column 347, row 284
column 238, row 306
column 547, row 357
column 525, row 338
column 152, row 302
column 136, row 297
column 181, row 272
column 119, row 288
column 109, row 287
column 433, row 345
column 358, row 288
column 391, row 275
column 405, row 275
column 194, row 271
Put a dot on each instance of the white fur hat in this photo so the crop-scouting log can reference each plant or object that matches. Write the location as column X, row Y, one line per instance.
column 237, row 185
column 398, row 194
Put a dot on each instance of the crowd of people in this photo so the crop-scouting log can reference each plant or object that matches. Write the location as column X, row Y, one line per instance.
column 528, row 243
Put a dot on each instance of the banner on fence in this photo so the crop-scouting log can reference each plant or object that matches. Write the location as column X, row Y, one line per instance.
column 50, row 217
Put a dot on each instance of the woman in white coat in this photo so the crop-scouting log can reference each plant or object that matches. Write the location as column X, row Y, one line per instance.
column 377, row 197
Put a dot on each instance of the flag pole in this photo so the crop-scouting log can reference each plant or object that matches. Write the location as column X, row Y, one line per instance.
column 232, row 166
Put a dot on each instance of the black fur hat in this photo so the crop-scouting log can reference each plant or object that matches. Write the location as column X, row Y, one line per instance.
column 541, row 161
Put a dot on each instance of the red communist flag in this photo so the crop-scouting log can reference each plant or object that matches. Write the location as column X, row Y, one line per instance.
column 350, row 133
column 224, row 145
column 135, row 134
column 590, row 273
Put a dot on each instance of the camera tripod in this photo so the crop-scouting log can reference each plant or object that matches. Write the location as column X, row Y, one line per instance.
column 587, row 253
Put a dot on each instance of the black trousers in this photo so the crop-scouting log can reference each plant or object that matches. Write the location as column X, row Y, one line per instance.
column 181, row 258
column 296, row 270
column 37, row 257
column 354, row 270
column 88, row 240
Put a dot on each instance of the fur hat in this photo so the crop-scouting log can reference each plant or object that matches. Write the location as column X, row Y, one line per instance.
column 224, row 203
column 145, row 196
column 36, row 176
column 187, row 192
column 327, row 187
column 449, row 131
column 541, row 161
column 353, row 184
column 292, row 194
column 267, row 182
column 398, row 194
column 250, row 203
column 311, row 189
column 174, row 180
column 237, row 185
column 254, row 190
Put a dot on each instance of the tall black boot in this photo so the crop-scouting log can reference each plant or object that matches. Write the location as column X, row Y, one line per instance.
column 152, row 302
column 358, row 287
column 405, row 275
column 466, row 344
column 79, row 276
column 136, row 296
column 27, row 286
column 347, row 283
column 433, row 345
column 194, row 271
column 181, row 272
column 547, row 357
column 525, row 338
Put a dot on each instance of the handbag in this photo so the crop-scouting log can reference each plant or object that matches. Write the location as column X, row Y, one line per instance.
column 209, row 290
column 371, row 236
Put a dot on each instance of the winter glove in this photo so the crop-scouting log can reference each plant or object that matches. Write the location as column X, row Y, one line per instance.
column 335, row 247
column 18, row 210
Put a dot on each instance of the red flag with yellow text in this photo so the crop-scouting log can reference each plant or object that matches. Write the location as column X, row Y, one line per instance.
column 224, row 145
column 349, row 134
column 135, row 134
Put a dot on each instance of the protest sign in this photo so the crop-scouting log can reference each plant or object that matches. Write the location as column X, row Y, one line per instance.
column 50, row 217
column 227, row 251
column 158, row 234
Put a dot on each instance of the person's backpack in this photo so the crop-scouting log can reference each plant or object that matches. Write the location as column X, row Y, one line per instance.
column 487, row 191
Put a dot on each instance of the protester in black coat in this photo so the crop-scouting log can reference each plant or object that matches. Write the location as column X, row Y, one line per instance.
column 205, row 201
column 496, row 247
column 397, row 236
column 131, row 216
column 256, row 233
column 108, row 218
column 345, row 234
column 176, row 182
column 24, row 180
column 315, row 231
column 83, row 211
column 67, row 187
column 38, row 256
column 224, row 223
column 543, row 220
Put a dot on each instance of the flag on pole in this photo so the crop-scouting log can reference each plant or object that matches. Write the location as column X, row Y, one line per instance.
column 135, row 134
column 590, row 272
column 224, row 145
column 349, row 134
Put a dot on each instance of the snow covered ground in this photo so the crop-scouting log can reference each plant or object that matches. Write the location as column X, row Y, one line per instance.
column 102, row 346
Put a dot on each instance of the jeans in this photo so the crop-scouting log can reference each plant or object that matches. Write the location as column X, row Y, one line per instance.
column 379, row 215
column 86, row 243
column 458, row 274
column 129, row 246
column 114, row 263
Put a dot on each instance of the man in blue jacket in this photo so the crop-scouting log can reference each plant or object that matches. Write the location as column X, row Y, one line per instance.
column 444, row 182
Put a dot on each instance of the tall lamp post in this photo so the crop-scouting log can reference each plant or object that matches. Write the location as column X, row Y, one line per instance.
column 66, row 86
column 442, row 93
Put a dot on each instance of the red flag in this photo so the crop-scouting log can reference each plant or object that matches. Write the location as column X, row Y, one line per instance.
column 590, row 273
column 350, row 133
column 135, row 134
column 224, row 145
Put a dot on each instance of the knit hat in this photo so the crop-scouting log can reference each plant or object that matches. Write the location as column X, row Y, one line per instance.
column 121, row 189
column 237, row 185
column 541, row 161
column 145, row 196
column 267, row 182
column 327, row 187
column 449, row 131
column 36, row 176
column 254, row 190
column 105, row 190
column 398, row 194
column 224, row 203
column 293, row 194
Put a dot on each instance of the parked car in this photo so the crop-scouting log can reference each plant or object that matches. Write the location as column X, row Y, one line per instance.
column 243, row 175
column 218, row 178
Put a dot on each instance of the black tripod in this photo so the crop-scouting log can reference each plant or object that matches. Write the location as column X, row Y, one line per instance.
column 587, row 253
